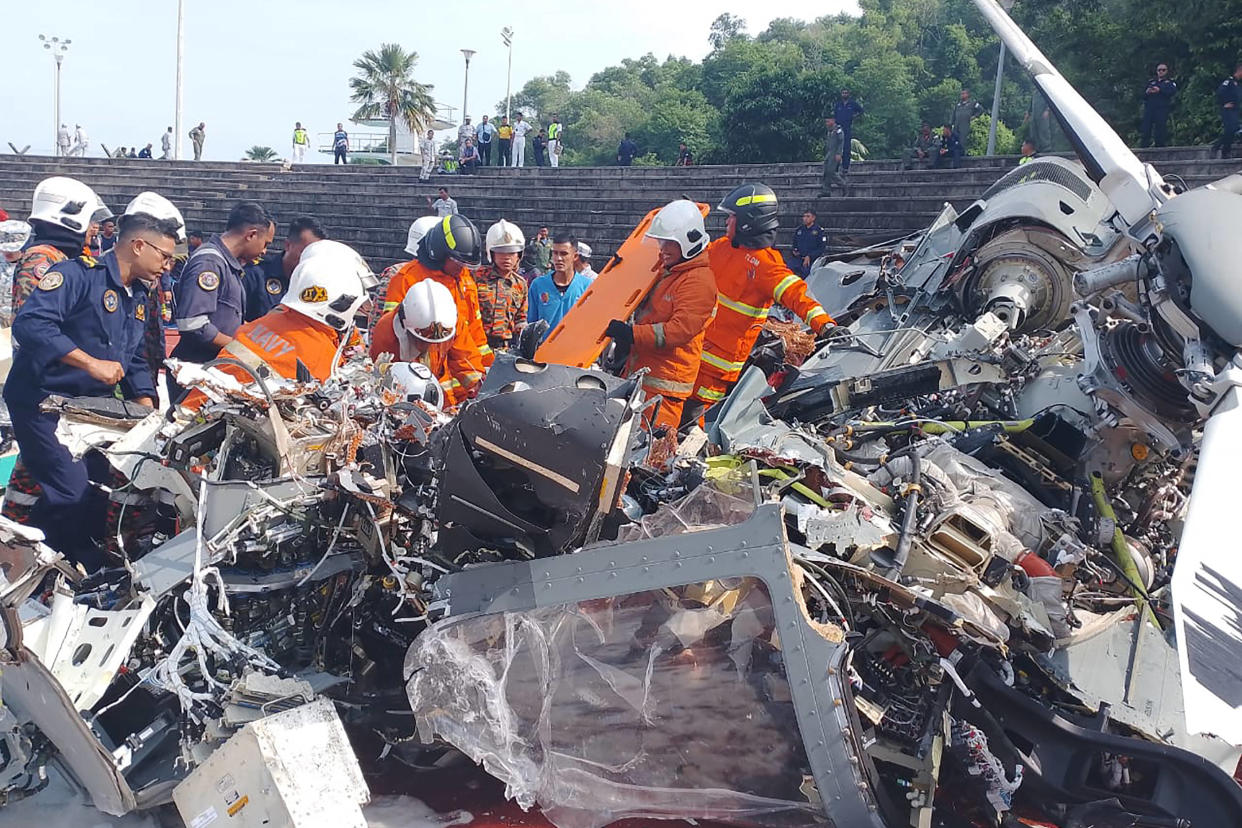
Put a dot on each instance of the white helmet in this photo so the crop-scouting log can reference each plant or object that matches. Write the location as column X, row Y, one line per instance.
column 429, row 312
column 415, row 383
column 681, row 221
column 154, row 204
column 417, row 230
column 330, row 284
column 65, row 202
column 504, row 237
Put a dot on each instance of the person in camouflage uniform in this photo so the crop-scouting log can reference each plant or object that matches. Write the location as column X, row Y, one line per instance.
column 502, row 291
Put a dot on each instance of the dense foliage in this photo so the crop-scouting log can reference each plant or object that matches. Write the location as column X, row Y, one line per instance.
column 762, row 98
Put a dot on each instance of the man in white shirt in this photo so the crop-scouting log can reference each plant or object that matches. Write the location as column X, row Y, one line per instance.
column 466, row 132
column 445, row 205
column 166, row 145
column 583, row 265
column 79, row 142
column 427, row 149
column 520, row 128
column 63, row 141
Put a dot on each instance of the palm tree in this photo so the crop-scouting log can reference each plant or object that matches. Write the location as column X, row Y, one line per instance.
column 385, row 88
column 258, row 153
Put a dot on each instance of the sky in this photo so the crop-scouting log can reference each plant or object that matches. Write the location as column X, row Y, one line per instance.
column 254, row 67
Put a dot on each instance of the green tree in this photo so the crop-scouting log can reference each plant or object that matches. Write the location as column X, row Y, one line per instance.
column 763, row 98
column 541, row 97
column 385, row 88
column 724, row 28
column 259, row 153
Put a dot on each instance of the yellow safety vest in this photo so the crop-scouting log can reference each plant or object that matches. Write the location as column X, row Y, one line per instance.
column 300, row 137
column 553, row 131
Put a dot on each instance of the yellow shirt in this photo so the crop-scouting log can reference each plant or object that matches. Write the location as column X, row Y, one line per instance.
column 504, row 133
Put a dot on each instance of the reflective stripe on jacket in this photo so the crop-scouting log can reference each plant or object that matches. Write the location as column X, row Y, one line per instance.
column 669, row 327
column 749, row 282
column 470, row 355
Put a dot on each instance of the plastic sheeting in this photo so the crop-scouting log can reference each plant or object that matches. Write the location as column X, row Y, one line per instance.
column 669, row 703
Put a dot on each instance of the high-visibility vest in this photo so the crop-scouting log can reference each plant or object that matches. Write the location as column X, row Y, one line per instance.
column 554, row 130
column 300, row 137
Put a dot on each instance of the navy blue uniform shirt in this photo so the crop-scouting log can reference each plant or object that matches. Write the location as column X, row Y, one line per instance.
column 1228, row 93
column 1162, row 100
column 809, row 241
column 79, row 304
column 210, row 299
column 265, row 285
column 846, row 111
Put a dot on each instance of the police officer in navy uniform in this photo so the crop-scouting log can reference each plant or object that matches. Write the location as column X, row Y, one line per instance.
column 1229, row 99
column 1157, row 100
column 845, row 111
column 81, row 334
column 210, row 296
column 267, row 280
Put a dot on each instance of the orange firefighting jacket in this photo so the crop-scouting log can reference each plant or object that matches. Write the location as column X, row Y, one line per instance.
column 748, row 282
column 279, row 338
column 384, row 340
column 669, row 327
column 470, row 355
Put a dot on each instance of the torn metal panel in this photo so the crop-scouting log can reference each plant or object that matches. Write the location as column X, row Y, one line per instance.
column 502, row 597
column 1117, row 660
column 85, row 647
column 34, row 695
column 744, row 422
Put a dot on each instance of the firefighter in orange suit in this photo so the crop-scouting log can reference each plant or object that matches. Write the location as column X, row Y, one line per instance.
column 666, row 336
column 421, row 330
column 750, row 276
column 327, row 289
column 445, row 254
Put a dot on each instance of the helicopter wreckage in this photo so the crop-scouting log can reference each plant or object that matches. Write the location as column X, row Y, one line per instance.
column 964, row 563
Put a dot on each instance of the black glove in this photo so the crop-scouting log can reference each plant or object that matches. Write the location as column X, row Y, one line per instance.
column 621, row 333
column 830, row 332
column 530, row 337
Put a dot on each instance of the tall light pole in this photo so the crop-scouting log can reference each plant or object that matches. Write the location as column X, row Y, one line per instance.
column 996, row 92
column 506, row 34
column 180, row 59
column 465, row 89
column 58, row 48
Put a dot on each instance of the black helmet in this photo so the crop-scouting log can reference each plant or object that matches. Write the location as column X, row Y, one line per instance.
column 454, row 237
column 755, row 206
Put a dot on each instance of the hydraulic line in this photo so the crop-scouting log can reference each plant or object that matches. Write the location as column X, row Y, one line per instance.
column 1121, row 549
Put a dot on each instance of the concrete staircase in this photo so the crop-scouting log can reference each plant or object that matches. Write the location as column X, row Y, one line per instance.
column 371, row 207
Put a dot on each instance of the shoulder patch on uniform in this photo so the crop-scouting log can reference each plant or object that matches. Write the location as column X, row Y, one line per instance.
column 51, row 281
column 274, row 287
column 88, row 260
column 314, row 293
column 140, row 313
column 208, row 280
column 111, row 301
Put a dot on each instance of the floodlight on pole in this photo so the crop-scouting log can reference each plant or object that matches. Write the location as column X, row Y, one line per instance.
column 996, row 92
column 465, row 89
column 57, row 48
column 506, row 34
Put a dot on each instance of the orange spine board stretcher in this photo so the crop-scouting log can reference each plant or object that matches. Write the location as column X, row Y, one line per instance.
column 618, row 291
